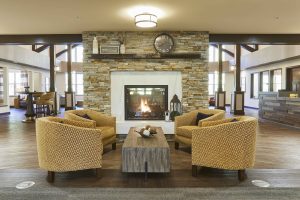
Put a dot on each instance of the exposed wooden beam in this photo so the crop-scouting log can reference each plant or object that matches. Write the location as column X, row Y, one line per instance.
column 41, row 39
column 268, row 39
column 224, row 50
column 65, row 50
column 249, row 48
column 40, row 49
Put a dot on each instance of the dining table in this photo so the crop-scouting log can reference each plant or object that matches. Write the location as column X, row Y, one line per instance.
column 30, row 112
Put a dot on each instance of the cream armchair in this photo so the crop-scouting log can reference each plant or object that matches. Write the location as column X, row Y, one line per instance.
column 64, row 145
column 103, row 122
column 185, row 123
column 225, row 145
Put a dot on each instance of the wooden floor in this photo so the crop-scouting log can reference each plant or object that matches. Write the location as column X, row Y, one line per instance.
column 277, row 160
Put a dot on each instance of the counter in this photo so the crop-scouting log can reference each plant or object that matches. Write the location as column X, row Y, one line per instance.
column 280, row 109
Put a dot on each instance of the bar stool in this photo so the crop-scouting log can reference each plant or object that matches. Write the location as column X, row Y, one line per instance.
column 36, row 97
column 43, row 104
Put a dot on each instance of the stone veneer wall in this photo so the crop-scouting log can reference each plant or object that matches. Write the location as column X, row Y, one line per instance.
column 194, row 71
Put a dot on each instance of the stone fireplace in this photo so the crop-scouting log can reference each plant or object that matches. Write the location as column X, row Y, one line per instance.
column 105, row 79
column 145, row 102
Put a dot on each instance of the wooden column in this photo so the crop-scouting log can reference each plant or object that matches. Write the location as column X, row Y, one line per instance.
column 220, row 94
column 220, row 62
column 69, row 95
column 52, row 68
column 52, row 76
column 238, row 68
column 238, row 97
column 69, row 68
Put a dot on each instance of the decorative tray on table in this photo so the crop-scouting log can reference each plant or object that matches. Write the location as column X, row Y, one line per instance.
column 146, row 132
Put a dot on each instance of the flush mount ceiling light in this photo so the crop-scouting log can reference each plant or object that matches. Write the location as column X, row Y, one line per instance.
column 145, row 20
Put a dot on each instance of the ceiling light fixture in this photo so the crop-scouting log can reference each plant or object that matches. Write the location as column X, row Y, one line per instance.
column 145, row 20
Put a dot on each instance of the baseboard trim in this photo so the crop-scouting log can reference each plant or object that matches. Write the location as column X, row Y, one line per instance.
column 251, row 107
column 5, row 113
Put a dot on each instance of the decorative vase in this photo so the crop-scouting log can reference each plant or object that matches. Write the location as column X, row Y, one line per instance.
column 122, row 49
column 167, row 116
column 95, row 46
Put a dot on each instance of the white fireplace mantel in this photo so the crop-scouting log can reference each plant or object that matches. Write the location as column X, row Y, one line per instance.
column 120, row 78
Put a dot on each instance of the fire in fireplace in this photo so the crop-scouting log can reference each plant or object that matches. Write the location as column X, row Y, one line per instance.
column 146, row 102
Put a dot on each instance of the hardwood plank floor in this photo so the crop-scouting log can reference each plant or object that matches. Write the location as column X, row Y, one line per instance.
column 277, row 150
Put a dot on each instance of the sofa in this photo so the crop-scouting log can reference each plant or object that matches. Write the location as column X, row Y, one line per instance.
column 225, row 144
column 64, row 145
column 185, row 123
column 105, row 123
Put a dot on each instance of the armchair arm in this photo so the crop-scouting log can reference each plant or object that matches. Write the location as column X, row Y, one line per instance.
column 102, row 119
column 226, row 146
column 63, row 147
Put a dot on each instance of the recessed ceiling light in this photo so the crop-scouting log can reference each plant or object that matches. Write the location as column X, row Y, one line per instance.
column 145, row 20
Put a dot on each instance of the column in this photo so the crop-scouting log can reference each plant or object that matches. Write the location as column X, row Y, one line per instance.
column 220, row 94
column 238, row 97
column 69, row 94
column 52, row 76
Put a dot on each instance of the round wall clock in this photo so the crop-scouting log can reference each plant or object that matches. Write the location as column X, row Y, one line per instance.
column 164, row 43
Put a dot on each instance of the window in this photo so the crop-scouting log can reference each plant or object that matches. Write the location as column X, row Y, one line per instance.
column 214, row 54
column 213, row 82
column 15, row 83
column 265, row 81
column 77, row 82
column 47, row 84
column 254, row 85
column 1, row 86
column 276, row 80
column 243, row 81
column 77, row 54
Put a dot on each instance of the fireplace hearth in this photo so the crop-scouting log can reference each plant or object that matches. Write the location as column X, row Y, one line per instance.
column 145, row 102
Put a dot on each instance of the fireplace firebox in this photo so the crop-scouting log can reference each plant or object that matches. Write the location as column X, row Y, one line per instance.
column 146, row 102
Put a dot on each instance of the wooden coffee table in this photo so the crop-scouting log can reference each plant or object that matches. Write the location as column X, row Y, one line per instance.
column 143, row 155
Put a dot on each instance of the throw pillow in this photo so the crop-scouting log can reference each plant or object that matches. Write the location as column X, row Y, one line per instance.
column 201, row 116
column 85, row 116
column 234, row 120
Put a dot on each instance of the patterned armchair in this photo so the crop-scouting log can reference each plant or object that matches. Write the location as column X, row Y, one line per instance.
column 65, row 145
column 185, row 123
column 103, row 122
column 225, row 145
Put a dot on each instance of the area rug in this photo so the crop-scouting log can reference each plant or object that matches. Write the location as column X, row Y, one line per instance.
column 243, row 193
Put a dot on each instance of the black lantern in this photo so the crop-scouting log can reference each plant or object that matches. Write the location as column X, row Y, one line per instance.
column 175, row 107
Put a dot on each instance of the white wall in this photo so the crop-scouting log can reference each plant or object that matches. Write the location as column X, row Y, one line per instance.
column 119, row 79
column 269, row 54
column 61, row 85
column 32, row 80
column 19, row 54
column 229, row 86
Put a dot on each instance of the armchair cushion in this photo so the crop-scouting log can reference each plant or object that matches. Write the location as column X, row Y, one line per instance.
column 185, row 131
column 102, row 122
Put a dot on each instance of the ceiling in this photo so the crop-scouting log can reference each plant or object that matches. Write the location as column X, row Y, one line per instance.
column 215, row 16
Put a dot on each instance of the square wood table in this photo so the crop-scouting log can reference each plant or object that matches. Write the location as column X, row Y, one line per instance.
column 143, row 155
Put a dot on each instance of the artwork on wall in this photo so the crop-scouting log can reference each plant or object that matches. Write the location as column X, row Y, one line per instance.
column 109, row 49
